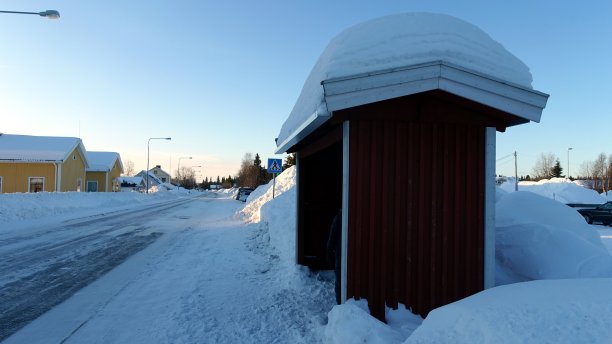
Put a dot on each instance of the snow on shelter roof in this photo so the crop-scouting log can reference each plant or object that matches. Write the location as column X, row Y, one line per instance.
column 414, row 44
column 24, row 148
column 103, row 161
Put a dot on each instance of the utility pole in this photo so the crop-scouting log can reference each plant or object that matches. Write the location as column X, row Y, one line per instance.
column 515, row 173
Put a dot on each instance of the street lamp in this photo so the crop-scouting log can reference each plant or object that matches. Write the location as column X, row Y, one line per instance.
column 49, row 14
column 148, row 151
column 568, row 170
column 178, row 170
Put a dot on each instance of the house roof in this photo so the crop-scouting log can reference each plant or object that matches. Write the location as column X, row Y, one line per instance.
column 24, row 148
column 405, row 54
column 158, row 168
column 103, row 161
column 152, row 176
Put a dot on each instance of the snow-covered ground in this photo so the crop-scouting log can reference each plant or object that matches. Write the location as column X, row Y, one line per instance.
column 209, row 277
column 223, row 271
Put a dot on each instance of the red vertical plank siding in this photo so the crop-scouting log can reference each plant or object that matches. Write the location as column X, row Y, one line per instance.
column 416, row 212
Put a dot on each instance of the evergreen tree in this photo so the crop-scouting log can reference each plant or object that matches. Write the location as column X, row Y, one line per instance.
column 289, row 161
column 556, row 170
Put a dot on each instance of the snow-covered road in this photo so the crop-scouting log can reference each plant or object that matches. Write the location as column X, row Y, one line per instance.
column 207, row 278
column 44, row 265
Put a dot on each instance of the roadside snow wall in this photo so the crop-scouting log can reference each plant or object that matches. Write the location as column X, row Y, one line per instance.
column 538, row 238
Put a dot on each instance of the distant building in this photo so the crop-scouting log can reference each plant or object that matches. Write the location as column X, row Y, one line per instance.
column 103, row 172
column 41, row 163
column 162, row 175
column 153, row 179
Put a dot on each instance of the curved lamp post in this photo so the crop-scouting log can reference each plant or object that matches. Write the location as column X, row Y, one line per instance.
column 148, row 150
column 178, row 170
column 49, row 14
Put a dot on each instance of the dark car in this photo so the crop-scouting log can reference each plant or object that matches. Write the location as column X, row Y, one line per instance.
column 602, row 213
column 243, row 193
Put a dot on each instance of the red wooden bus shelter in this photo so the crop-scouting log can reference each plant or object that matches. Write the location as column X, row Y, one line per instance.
column 408, row 154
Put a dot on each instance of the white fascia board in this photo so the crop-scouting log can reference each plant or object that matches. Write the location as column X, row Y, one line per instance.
column 81, row 149
column 118, row 158
column 494, row 100
column 367, row 96
column 311, row 124
column 489, row 211
column 347, row 92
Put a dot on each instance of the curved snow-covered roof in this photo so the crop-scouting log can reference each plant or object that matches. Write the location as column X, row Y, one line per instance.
column 398, row 41
column 103, row 161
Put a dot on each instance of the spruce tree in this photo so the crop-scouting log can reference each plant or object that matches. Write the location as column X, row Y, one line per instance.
column 289, row 161
column 556, row 170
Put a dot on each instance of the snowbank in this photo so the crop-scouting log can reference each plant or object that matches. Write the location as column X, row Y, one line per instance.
column 263, row 194
column 280, row 214
column 607, row 196
column 549, row 311
column 559, row 189
column 30, row 206
column 398, row 41
column 538, row 238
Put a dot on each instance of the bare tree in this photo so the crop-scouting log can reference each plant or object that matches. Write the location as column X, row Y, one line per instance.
column 544, row 166
column 600, row 167
column 186, row 177
column 609, row 171
column 586, row 171
column 247, row 175
column 129, row 168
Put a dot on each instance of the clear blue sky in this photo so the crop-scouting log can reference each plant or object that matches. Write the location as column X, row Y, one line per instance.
column 220, row 77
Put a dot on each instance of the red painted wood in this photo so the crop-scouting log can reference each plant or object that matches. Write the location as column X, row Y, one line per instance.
column 416, row 216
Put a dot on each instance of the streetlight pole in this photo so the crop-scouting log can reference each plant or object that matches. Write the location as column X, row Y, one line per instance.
column 148, row 154
column 568, row 169
column 49, row 14
column 178, row 170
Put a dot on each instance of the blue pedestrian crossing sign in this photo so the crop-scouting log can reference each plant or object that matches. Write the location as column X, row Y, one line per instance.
column 275, row 165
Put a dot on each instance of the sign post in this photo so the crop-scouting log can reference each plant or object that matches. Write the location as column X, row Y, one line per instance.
column 275, row 166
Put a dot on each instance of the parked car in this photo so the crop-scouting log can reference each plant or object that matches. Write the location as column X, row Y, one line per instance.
column 243, row 194
column 602, row 213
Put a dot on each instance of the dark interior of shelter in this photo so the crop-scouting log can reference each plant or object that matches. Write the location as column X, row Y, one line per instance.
column 320, row 198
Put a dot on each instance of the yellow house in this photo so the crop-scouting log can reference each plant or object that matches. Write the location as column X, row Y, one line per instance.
column 103, row 172
column 41, row 163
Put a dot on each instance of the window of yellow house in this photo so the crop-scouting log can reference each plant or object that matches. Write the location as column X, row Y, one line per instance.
column 79, row 184
column 37, row 184
column 92, row 186
column 0, row 184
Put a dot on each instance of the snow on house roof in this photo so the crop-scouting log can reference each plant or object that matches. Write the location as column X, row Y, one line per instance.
column 152, row 177
column 400, row 41
column 24, row 148
column 103, row 161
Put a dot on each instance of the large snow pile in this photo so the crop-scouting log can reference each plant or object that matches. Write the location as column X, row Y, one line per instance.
column 398, row 41
column 550, row 311
column 538, row 238
column 263, row 194
column 277, row 214
column 559, row 189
